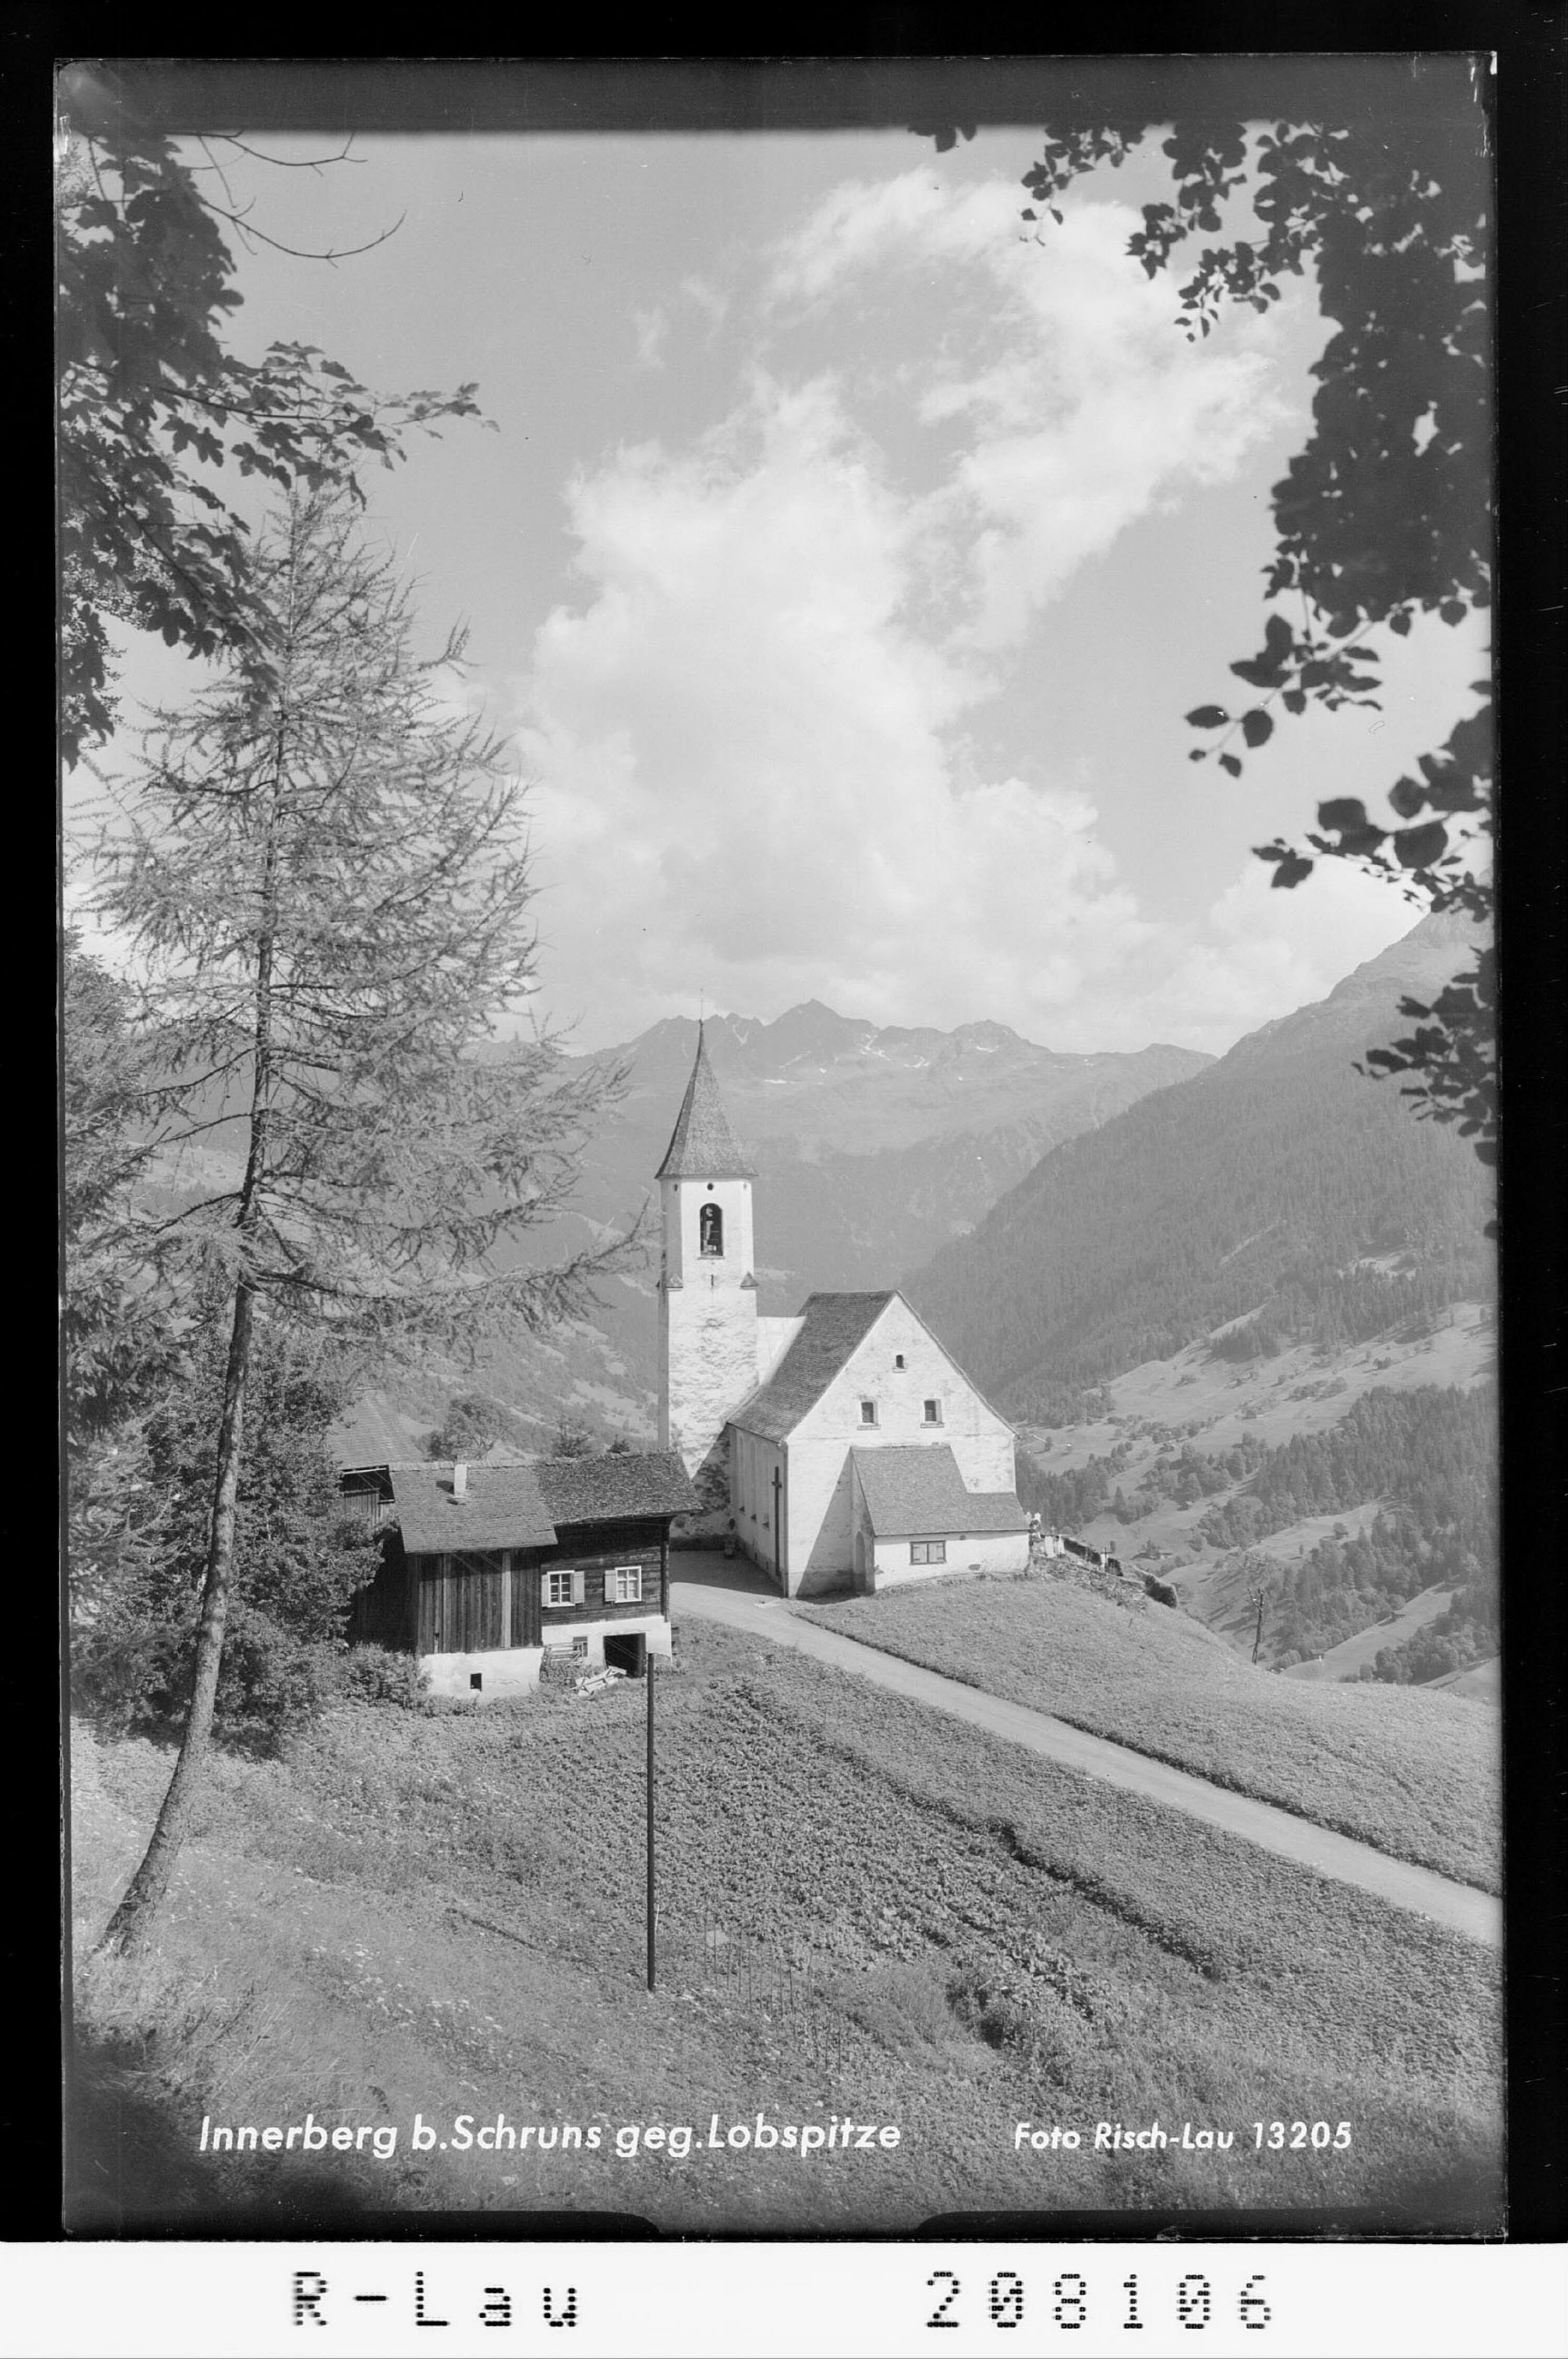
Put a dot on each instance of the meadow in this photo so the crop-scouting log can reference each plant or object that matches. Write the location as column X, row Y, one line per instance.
column 1417, row 1775
column 441, row 1914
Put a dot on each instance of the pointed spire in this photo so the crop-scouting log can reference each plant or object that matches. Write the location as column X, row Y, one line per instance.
column 703, row 1145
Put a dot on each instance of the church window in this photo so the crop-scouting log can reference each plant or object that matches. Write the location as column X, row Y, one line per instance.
column 933, row 1412
column 710, row 1230
column 928, row 1551
column 868, row 1412
column 898, row 1359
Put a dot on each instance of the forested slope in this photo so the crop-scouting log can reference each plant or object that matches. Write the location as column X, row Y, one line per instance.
column 1279, row 1188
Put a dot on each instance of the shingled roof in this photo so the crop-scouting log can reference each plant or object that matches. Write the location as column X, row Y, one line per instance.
column 917, row 1488
column 703, row 1145
column 502, row 1508
column 836, row 1324
column 520, row 1507
column 597, row 1490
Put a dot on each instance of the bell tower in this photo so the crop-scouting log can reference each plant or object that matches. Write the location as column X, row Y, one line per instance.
column 708, row 1290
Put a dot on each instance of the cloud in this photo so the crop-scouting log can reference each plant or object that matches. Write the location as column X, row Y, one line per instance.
column 1080, row 407
column 652, row 329
column 744, row 782
column 748, row 739
column 1256, row 954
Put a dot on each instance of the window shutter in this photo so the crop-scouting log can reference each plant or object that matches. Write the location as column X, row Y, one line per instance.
column 579, row 1589
column 544, row 1588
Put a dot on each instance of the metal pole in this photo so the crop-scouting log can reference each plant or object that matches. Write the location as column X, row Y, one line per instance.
column 648, row 1675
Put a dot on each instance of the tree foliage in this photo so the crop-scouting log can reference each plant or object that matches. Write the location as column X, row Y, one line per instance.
column 321, row 869
column 1384, row 514
column 473, row 1421
column 155, row 410
column 296, row 1565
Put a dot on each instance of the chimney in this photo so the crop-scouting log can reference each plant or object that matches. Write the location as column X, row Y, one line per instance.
column 460, row 1479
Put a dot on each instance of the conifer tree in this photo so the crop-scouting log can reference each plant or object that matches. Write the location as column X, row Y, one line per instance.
column 322, row 867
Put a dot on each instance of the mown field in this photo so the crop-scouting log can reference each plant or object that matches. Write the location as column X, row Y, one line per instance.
column 442, row 1914
column 1418, row 1775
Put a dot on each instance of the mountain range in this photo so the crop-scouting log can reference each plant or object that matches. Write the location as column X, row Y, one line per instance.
column 1057, row 1218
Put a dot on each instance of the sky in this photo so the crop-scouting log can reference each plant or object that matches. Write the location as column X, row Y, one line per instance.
column 841, row 564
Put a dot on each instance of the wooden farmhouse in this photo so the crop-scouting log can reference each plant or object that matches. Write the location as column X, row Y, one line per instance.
column 485, row 1567
column 844, row 1444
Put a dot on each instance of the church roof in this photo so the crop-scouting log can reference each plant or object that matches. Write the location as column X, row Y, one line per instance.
column 836, row 1325
column 916, row 1489
column 703, row 1145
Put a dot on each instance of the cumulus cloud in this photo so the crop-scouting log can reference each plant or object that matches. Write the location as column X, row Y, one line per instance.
column 1256, row 954
column 1080, row 407
column 748, row 737
column 744, row 782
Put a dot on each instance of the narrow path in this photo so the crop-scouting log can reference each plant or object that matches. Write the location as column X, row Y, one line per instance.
column 744, row 1602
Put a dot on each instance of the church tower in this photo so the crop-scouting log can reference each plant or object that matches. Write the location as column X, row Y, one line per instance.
column 708, row 1290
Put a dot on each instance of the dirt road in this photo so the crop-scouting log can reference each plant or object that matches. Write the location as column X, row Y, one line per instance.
column 737, row 1596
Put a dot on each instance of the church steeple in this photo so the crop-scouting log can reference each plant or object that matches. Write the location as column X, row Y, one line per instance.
column 708, row 1290
column 703, row 1145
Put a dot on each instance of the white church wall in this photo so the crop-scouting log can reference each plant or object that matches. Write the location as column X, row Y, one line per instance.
column 980, row 1441
column 753, row 1464
column 774, row 1337
column 819, row 1522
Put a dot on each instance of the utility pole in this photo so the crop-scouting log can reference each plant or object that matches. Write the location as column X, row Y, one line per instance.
column 648, row 1676
column 1255, row 1597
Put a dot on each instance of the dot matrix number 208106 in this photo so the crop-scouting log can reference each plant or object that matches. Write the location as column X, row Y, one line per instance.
column 1193, row 2301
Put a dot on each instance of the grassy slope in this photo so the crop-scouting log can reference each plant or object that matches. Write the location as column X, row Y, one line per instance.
column 1202, row 1400
column 1415, row 1774
column 1007, row 1940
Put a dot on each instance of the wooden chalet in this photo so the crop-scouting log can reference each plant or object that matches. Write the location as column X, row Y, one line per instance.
column 485, row 1567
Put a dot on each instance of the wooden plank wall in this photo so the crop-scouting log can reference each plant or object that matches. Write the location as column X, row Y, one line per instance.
column 459, row 1606
column 458, row 1598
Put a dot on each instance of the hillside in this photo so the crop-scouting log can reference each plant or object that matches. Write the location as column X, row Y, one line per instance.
column 865, row 1907
column 1417, row 1776
column 1277, row 1194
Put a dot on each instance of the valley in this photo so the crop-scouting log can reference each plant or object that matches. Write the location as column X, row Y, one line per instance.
column 1151, row 1263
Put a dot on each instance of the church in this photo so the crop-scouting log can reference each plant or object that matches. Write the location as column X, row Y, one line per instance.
column 840, row 1445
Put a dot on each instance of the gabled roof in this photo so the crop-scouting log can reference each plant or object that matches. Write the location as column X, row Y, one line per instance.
column 520, row 1507
column 917, row 1488
column 502, row 1508
column 703, row 1145
column 597, row 1490
column 836, row 1324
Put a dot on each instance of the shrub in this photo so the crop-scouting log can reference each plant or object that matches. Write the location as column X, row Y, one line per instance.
column 371, row 1674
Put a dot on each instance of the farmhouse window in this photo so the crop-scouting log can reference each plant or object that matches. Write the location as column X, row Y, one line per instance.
column 561, row 1589
column 868, row 1412
column 933, row 1412
column 710, row 1230
column 623, row 1584
column 928, row 1551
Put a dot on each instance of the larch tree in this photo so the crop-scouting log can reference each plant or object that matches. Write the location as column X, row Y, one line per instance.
column 322, row 867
